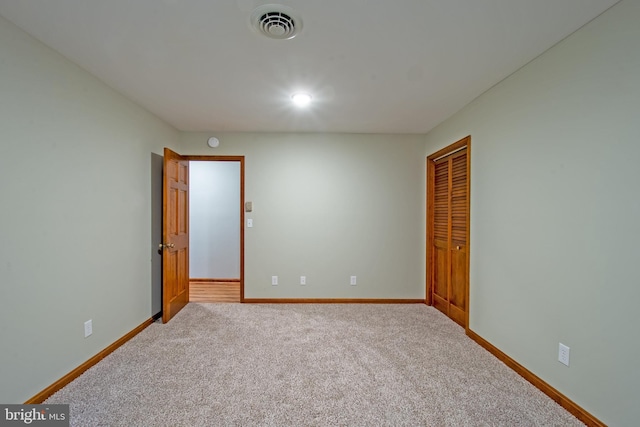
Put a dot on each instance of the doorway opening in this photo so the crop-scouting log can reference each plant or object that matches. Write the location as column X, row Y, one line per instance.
column 174, row 247
column 214, row 235
column 216, row 267
column 448, row 204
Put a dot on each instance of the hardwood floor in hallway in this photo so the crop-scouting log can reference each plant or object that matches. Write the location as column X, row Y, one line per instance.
column 214, row 291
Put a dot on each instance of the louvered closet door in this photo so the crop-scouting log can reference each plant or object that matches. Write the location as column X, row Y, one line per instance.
column 449, row 291
column 441, row 237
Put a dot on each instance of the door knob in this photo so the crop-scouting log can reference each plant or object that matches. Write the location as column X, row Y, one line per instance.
column 458, row 247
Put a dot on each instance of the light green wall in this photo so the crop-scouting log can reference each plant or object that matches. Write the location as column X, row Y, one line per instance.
column 329, row 206
column 553, row 228
column 75, row 214
column 555, row 212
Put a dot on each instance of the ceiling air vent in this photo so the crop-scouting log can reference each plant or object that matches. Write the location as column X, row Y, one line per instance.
column 276, row 22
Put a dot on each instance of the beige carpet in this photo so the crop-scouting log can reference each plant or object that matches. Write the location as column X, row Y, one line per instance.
column 306, row 365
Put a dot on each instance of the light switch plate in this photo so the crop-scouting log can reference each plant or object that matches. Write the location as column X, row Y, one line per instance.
column 249, row 223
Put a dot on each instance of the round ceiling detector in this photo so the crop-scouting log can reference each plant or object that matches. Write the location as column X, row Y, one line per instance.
column 213, row 142
column 276, row 22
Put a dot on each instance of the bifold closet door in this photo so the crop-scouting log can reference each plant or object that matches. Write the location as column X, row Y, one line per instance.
column 450, row 251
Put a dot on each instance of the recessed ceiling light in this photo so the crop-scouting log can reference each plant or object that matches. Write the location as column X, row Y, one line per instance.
column 301, row 99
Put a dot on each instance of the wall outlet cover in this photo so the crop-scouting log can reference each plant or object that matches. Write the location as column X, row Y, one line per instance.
column 563, row 354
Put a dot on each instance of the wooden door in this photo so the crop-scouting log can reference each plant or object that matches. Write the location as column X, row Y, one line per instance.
column 448, row 231
column 175, row 233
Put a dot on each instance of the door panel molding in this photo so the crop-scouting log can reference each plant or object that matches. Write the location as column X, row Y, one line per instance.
column 175, row 234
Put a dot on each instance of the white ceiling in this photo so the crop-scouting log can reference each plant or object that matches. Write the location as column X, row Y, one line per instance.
column 373, row 66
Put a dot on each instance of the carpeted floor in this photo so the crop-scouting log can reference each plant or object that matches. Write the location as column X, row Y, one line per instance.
column 306, row 365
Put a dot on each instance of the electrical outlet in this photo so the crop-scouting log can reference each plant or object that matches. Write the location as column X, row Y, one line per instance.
column 303, row 280
column 563, row 354
column 354, row 280
column 274, row 280
column 88, row 328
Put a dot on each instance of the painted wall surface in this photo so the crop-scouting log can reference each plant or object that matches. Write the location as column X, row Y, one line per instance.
column 75, row 217
column 555, row 212
column 214, row 220
column 329, row 206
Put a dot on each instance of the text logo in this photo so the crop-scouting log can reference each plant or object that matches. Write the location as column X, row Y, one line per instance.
column 34, row 415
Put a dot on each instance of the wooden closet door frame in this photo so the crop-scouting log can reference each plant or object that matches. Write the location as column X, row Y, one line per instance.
column 431, row 170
